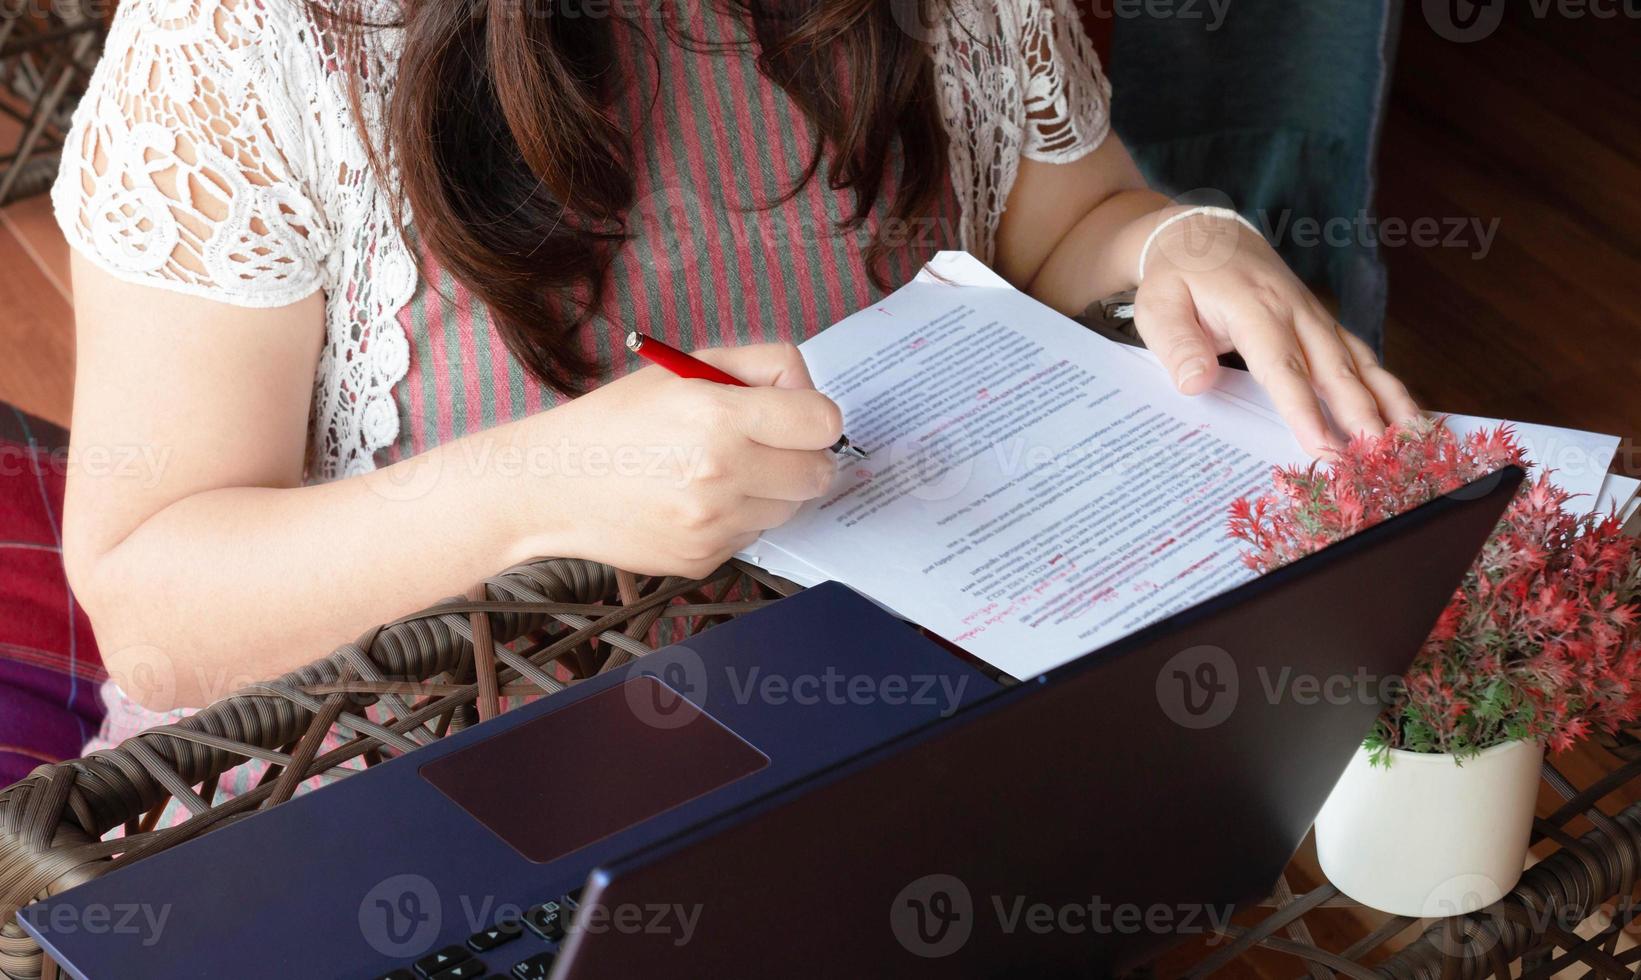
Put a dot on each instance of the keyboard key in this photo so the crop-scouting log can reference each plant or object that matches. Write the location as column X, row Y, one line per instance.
column 546, row 920
column 434, row 964
column 465, row 970
column 398, row 975
column 496, row 935
column 536, row 967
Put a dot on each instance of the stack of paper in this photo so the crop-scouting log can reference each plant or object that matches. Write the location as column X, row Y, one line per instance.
column 1036, row 491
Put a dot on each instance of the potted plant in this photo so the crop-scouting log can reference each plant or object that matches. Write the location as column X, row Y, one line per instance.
column 1538, row 648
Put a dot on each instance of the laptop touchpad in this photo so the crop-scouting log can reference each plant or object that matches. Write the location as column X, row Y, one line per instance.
column 593, row 768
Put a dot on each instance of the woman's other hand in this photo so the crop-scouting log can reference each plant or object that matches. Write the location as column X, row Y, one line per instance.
column 1212, row 285
column 1073, row 234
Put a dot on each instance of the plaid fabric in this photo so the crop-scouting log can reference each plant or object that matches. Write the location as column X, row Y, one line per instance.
column 49, row 668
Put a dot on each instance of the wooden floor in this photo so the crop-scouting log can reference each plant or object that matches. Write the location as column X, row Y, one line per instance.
column 1535, row 126
column 36, row 322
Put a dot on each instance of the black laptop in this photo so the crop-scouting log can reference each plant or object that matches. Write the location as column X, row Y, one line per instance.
column 1075, row 824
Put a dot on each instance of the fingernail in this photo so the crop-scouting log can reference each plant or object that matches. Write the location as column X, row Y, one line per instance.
column 1189, row 370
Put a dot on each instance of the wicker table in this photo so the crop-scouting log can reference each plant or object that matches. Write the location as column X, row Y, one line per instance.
column 539, row 627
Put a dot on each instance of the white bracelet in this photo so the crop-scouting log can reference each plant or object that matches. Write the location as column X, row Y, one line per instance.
column 1171, row 220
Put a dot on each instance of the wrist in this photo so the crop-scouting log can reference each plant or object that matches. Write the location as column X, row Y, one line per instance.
column 1193, row 237
column 535, row 489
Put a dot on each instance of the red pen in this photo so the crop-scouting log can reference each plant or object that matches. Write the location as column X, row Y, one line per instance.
column 685, row 366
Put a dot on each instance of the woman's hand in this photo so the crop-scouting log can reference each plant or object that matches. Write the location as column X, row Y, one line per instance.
column 1073, row 233
column 1212, row 285
column 676, row 475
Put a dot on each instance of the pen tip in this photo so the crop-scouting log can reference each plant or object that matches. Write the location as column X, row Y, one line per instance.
column 634, row 341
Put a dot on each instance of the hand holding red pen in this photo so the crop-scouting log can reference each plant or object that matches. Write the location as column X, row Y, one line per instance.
column 685, row 366
column 688, row 472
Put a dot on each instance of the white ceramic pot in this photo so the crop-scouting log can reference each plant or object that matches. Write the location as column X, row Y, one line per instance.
column 1427, row 837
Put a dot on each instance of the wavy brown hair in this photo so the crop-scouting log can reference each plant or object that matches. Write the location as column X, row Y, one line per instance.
column 520, row 180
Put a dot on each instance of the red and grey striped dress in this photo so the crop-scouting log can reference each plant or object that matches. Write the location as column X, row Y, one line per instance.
column 711, row 263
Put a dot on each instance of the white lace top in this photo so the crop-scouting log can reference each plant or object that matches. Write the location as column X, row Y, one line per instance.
column 217, row 153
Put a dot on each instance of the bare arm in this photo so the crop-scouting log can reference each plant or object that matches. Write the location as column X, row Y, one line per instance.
column 211, row 565
column 1073, row 234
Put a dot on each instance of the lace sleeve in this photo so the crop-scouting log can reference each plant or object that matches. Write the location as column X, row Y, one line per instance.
column 1068, row 99
column 179, row 170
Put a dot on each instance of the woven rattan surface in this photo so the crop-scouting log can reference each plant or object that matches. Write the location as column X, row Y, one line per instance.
column 528, row 631
column 538, row 627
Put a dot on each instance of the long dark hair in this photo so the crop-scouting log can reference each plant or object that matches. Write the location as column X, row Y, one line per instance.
column 520, row 180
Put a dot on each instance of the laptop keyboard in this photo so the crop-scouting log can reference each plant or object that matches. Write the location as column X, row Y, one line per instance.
column 491, row 954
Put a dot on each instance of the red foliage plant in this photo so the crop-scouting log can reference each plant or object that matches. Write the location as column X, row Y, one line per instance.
column 1540, row 641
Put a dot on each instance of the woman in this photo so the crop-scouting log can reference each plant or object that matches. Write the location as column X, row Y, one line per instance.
column 347, row 267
